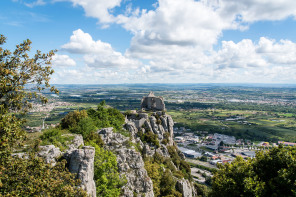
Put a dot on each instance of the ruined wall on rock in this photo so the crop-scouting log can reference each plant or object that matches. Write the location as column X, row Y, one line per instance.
column 152, row 102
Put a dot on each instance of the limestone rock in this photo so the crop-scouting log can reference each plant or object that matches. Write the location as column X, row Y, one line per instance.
column 76, row 142
column 162, row 150
column 50, row 153
column 154, row 125
column 131, row 127
column 81, row 162
column 74, row 145
column 130, row 164
column 20, row 155
column 185, row 187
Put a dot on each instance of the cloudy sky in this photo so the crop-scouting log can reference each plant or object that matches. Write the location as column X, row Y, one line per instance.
column 159, row 41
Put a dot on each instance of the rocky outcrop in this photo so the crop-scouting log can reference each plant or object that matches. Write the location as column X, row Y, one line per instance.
column 76, row 142
column 186, row 188
column 160, row 124
column 130, row 164
column 74, row 145
column 50, row 153
column 81, row 162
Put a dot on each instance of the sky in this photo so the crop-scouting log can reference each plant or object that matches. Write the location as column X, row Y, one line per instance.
column 158, row 41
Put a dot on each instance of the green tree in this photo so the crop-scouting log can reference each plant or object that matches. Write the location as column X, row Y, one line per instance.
column 32, row 177
column 21, row 80
column 270, row 173
column 106, row 116
column 72, row 118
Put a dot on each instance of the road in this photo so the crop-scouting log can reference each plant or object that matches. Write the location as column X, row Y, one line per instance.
column 206, row 164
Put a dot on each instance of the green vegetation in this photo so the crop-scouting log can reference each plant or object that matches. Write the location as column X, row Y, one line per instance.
column 254, row 125
column 271, row 173
column 201, row 190
column 106, row 176
column 163, row 181
column 71, row 119
column 106, row 116
column 56, row 137
column 30, row 176
column 149, row 137
column 181, row 164
column 163, row 171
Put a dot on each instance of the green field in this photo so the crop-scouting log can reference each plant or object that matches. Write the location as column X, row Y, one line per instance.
column 253, row 125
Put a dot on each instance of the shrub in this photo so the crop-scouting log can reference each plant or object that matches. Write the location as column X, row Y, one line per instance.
column 106, row 176
column 32, row 177
column 54, row 136
column 72, row 119
column 84, row 127
column 149, row 137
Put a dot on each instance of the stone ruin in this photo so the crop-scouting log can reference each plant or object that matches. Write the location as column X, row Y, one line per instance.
column 153, row 103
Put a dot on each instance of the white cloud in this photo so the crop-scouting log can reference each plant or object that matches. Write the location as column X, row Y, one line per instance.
column 100, row 9
column 255, row 10
column 82, row 43
column 240, row 55
column 246, row 53
column 97, row 53
column 62, row 61
column 35, row 3
column 182, row 23
column 282, row 52
column 177, row 39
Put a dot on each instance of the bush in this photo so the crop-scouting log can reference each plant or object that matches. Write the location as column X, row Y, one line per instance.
column 182, row 165
column 165, row 140
column 72, row 119
column 84, row 127
column 32, row 177
column 149, row 137
column 107, row 117
column 201, row 190
column 54, row 136
column 106, row 176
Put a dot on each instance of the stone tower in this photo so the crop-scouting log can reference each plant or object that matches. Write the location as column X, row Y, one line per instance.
column 152, row 102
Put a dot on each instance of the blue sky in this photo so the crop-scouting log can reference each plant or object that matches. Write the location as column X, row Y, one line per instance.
column 158, row 41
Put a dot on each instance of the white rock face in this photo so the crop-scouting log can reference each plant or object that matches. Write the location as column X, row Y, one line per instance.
column 50, row 153
column 161, row 124
column 76, row 142
column 81, row 162
column 130, row 164
column 185, row 187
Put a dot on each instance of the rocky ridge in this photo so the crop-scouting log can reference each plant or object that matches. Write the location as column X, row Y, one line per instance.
column 161, row 124
column 130, row 164
column 80, row 161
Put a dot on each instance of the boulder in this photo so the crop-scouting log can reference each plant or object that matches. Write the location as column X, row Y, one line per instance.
column 81, row 162
column 185, row 187
column 50, row 153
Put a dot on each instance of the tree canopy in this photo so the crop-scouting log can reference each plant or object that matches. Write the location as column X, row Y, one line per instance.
column 270, row 173
column 21, row 81
column 22, row 78
column 17, row 70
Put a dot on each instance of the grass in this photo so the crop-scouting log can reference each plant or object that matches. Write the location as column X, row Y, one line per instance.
column 260, row 125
